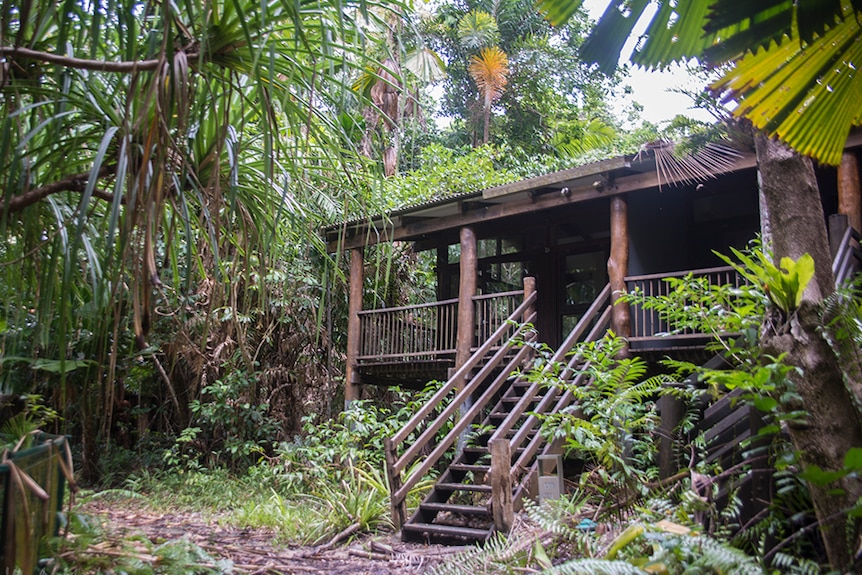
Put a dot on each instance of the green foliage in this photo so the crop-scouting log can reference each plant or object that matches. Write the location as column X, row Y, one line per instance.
column 548, row 90
column 761, row 48
column 477, row 29
column 444, row 172
column 612, row 422
column 842, row 328
column 784, row 284
column 644, row 549
column 361, row 499
column 329, row 449
column 20, row 430
column 238, row 427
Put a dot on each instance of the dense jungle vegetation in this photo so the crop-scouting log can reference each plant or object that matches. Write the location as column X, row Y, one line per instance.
column 167, row 301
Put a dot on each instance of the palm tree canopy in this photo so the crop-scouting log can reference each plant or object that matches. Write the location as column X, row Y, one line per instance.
column 490, row 70
column 793, row 71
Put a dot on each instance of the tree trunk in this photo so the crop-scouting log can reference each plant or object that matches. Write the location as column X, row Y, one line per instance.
column 832, row 425
column 486, row 117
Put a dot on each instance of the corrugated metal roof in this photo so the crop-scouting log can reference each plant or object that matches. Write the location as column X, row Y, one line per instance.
column 495, row 192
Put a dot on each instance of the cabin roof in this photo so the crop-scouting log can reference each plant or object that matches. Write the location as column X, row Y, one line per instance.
column 621, row 174
column 604, row 178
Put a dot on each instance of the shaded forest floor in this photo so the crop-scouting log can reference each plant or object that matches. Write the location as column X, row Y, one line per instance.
column 252, row 551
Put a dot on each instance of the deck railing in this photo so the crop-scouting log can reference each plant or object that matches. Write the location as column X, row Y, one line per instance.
column 428, row 331
column 647, row 324
column 409, row 333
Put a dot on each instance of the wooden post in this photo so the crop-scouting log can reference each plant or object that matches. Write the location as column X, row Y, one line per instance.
column 399, row 508
column 529, row 289
column 672, row 411
column 618, row 265
column 849, row 190
column 354, row 334
column 501, row 484
column 466, row 290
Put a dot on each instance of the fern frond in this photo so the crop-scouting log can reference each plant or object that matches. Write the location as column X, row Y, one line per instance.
column 594, row 567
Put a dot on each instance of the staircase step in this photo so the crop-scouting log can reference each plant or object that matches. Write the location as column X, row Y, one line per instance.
column 480, row 510
column 425, row 532
column 468, row 467
column 463, row 487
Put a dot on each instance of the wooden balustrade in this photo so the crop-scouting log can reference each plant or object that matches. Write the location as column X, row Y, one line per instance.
column 428, row 331
column 848, row 258
column 409, row 333
column 647, row 324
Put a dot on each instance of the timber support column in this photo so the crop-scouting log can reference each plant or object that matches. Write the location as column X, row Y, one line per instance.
column 849, row 190
column 354, row 334
column 618, row 266
column 466, row 290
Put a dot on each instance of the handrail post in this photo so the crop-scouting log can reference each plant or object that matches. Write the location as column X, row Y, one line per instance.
column 397, row 505
column 529, row 289
column 850, row 190
column 502, row 507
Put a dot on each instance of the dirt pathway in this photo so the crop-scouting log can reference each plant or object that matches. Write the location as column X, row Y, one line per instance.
column 253, row 551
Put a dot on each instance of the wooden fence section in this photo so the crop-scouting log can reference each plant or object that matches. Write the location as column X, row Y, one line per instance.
column 648, row 325
column 409, row 333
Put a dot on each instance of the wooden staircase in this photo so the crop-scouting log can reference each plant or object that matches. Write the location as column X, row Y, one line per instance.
column 494, row 440
column 491, row 405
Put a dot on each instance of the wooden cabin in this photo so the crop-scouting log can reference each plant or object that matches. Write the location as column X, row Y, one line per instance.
column 552, row 249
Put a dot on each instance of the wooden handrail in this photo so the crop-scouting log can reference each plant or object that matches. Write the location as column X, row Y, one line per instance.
column 463, row 422
column 529, row 453
column 647, row 324
column 477, row 356
column 848, row 250
column 679, row 274
column 484, row 296
column 428, row 434
column 567, row 345
column 399, row 489
column 408, row 307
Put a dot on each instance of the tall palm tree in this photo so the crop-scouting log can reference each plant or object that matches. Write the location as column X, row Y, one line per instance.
column 490, row 70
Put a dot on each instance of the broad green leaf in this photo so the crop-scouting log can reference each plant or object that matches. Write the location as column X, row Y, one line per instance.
column 853, row 458
column 605, row 42
column 61, row 366
column 821, row 477
column 809, row 97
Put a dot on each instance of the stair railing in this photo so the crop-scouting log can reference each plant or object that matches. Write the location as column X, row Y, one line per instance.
column 505, row 474
column 504, row 338
column 848, row 258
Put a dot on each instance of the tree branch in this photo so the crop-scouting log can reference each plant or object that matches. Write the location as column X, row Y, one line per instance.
column 95, row 65
column 76, row 183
